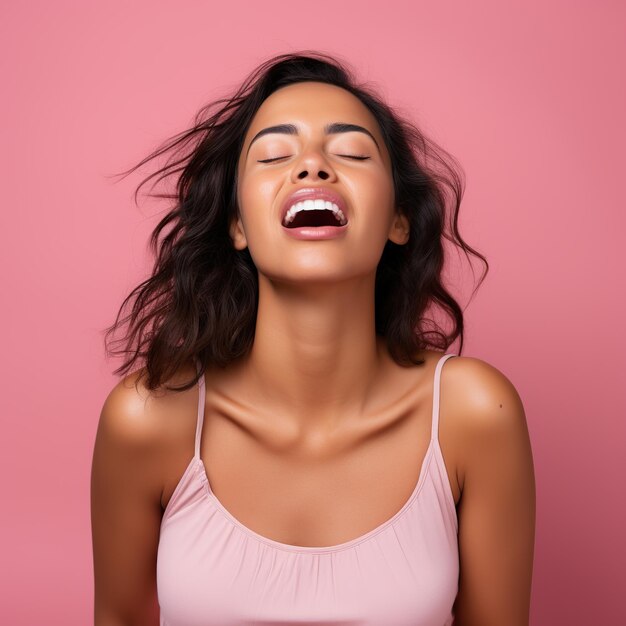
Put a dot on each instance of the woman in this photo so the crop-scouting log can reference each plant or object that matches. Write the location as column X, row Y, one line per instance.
column 297, row 453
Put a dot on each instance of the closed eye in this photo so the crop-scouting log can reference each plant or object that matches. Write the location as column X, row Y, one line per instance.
column 358, row 157
column 270, row 160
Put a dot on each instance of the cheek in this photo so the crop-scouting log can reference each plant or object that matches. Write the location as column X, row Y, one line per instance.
column 256, row 198
column 376, row 203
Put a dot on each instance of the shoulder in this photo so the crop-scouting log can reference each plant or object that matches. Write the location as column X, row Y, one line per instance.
column 128, row 415
column 482, row 388
column 144, row 436
column 487, row 412
column 136, row 419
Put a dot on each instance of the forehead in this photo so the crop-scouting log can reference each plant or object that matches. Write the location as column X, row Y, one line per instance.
column 311, row 105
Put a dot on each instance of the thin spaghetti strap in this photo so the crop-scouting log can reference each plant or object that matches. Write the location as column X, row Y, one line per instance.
column 200, row 418
column 434, row 431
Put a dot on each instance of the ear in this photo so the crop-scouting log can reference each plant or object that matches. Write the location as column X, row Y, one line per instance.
column 237, row 234
column 400, row 229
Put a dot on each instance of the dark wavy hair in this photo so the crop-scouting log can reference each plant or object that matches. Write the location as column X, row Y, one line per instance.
column 201, row 300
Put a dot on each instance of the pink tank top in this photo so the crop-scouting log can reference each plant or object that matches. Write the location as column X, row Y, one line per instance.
column 214, row 571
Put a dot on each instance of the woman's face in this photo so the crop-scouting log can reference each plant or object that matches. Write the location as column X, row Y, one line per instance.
column 312, row 158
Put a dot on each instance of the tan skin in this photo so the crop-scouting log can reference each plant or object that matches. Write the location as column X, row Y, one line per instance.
column 318, row 416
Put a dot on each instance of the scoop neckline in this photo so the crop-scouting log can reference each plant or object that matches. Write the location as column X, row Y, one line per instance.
column 211, row 497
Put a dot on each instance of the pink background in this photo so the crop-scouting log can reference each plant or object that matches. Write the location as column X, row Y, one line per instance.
column 530, row 97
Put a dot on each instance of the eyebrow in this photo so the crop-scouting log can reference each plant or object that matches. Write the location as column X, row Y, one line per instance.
column 330, row 129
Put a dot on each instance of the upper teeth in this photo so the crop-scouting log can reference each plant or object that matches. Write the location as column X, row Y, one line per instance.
column 310, row 205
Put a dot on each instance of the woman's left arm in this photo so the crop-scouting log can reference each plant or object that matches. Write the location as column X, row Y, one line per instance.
column 497, row 506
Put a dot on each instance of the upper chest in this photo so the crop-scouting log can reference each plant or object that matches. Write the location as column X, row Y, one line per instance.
column 315, row 490
column 324, row 497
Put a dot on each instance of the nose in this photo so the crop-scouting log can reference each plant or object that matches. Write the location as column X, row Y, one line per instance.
column 312, row 165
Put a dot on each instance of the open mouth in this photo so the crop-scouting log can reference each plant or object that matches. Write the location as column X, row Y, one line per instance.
column 313, row 214
column 316, row 217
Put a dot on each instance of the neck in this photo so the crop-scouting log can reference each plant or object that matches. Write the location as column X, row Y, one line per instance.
column 315, row 352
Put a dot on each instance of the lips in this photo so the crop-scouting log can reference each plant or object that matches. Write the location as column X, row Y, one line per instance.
column 311, row 193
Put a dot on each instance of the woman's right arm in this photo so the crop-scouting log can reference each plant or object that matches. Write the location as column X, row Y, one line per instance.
column 126, row 512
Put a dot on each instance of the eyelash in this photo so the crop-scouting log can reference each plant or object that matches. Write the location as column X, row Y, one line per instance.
column 348, row 156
